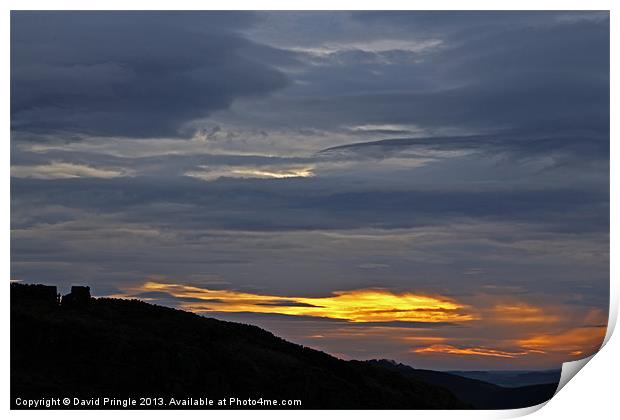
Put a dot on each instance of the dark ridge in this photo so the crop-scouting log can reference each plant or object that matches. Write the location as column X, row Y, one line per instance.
column 128, row 348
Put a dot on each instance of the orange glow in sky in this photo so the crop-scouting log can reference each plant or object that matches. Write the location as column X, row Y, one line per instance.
column 575, row 341
column 365, row 305
column 469, row 351
column 496, row 327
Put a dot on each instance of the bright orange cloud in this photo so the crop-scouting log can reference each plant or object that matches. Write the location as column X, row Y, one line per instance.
column 576, row 341
column 366, row 305
column 469, row 351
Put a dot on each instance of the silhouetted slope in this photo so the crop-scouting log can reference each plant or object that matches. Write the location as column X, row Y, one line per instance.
column 480, row 394
column 121, row 348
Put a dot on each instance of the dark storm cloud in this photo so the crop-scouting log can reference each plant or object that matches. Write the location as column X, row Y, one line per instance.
column 287, row 303
column 131, row 74
column 163, row 296
column 569, row 104
column 532, row 72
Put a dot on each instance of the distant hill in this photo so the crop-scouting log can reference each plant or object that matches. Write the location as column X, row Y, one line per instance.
column 480, row 394
column 88, row 347
column 509, row 378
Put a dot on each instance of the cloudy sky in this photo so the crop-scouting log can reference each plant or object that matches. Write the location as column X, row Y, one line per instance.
column 429, row 187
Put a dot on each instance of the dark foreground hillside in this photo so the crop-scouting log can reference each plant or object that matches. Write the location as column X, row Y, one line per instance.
column 121, row 348
column 88, row 348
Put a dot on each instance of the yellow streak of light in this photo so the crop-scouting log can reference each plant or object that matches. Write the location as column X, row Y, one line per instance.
column 365, row 305
column 469, row 351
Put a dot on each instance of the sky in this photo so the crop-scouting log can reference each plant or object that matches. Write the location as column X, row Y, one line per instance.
column 427, row 187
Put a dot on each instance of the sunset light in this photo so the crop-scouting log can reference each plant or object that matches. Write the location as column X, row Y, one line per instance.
column 468, row 351
column 364, row 305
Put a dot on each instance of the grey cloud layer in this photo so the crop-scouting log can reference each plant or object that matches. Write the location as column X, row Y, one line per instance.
column 299, row 204
column 452, row 153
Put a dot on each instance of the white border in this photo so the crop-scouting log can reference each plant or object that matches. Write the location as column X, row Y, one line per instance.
column 594, row 394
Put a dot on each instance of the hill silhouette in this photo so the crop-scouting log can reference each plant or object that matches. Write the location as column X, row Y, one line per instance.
column 480, row 394
column 85, row 347
column 511, row 378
